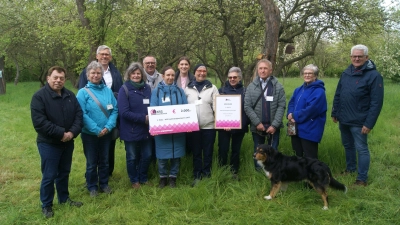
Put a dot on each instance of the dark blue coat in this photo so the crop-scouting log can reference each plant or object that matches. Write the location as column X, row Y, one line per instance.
column 52, row 115
column 169, row 146
column 359, row 96
column 308, row 107
column 227, row 89
column 132, row 112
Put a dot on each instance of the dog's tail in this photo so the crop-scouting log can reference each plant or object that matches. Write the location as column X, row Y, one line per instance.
column 337, row 185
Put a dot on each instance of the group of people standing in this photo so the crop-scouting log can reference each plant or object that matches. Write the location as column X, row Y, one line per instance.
column 104, row 101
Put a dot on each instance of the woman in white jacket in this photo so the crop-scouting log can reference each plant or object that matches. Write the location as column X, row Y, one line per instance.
column 201, row 92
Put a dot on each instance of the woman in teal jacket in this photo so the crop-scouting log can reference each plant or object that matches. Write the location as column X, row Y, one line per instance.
column 169, row 147
column 97, row 125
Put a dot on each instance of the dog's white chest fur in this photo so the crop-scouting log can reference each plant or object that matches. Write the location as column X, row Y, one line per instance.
column 262, row 166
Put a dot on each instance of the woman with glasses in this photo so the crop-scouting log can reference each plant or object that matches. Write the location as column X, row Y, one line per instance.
column 201, row 92
column 234, row 137
column 307, row 107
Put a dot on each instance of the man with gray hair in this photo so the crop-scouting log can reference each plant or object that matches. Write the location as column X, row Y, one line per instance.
column 113, row 79
column 265, row 104
column 356, row 106
column 153, row 77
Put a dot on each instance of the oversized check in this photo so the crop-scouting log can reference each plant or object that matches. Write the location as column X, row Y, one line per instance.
column 172, row 119
column 228, row 111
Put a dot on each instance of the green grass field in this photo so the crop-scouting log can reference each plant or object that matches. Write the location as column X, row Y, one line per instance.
column 217, row 200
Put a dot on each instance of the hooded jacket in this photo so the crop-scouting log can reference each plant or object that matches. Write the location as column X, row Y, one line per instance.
column 94, row 119
column 169, row 146
column 132, row 112
column 359, row 96
column 227, row 89
column 277, row 106
column 308, row 107
column 205, row 111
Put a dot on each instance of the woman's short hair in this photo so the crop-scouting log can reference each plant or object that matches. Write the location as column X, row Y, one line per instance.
column 166, row 68
column 93, row 66
column 184, row 58
column 131, row 68
column 312, row 67
column 236, row 70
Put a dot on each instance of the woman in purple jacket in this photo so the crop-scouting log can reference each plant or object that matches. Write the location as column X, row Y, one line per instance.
column 133, row 100
column 307, row 107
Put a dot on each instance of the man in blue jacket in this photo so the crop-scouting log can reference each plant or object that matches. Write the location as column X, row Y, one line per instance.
column 357, row 104
column 113, row 79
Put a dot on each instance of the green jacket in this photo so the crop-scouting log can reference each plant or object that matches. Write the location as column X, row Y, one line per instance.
column 278, row 105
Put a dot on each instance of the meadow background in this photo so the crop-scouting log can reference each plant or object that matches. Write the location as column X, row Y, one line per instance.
column 217, row 200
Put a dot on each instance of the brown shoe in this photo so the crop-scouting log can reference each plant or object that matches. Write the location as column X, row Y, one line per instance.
column 360, row 183
column 136, row 185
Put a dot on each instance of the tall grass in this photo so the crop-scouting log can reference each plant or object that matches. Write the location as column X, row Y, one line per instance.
column 217, row 200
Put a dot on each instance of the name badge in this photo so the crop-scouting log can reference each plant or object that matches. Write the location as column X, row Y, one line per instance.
column 109, row 107
column 146, row 101
column 269, row 98
column 165, row 100
column 198, row 102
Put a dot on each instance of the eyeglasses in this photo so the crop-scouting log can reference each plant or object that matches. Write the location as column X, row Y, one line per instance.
column 204, row 71
column 104, row 54
column 233, row 77
column 150, row 63
column 357, row 56
column 308, row 74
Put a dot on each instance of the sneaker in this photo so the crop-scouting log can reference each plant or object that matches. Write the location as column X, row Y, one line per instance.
column 163, row 182
column 73, row 203
column 360, row 183
column 48, row 212
column 107, row 190
column 172, row 182
column 136, row 185
column 195, row 182
column 94, row 193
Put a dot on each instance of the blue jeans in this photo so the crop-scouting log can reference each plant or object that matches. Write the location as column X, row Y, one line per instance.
column 96, row 153
column 138, row 158
column 202, row 142
column 258, row 140
column 56, row 163
column 226, row 138
column 352, row 140
column 163, row 167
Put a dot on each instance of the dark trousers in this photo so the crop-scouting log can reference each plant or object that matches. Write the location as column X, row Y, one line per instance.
column 226, row 138
column 96, row 153
column 111, row 157
column 56, row 163
column 202, row 145
column 304, row 148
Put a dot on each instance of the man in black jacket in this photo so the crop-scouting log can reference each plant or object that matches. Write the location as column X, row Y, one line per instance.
column 113, row 79
column 356, row 106
column 57, row 118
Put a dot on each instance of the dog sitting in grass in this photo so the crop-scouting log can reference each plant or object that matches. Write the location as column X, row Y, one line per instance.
column 281, row 169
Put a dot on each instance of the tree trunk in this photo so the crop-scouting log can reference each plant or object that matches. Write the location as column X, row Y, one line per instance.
column 272, row 24
column 2, row 78
column 17, row 75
